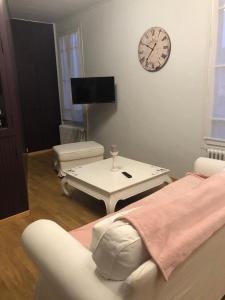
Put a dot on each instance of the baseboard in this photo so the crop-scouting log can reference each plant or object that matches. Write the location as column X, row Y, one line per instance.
column 36, row 153
column 17, row 216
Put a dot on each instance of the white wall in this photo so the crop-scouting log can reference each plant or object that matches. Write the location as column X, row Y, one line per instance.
column 159, row 116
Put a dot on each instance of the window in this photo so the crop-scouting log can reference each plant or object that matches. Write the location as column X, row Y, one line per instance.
column 218, row 109
column 71, row 66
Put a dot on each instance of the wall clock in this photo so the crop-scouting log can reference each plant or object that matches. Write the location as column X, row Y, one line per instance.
column 154, row 49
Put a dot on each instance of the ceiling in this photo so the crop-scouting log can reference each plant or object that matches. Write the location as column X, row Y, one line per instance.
column 46, row 10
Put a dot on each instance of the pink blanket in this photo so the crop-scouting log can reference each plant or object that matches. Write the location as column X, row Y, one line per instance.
column 174, row 226
column 177, row 188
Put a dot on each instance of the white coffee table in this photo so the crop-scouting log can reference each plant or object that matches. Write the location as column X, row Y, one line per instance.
column 97, row 180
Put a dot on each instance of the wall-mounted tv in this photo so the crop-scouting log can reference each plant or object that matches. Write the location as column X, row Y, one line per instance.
column 93, row 90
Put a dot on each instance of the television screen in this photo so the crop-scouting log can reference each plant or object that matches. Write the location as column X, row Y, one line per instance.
column 93, row 90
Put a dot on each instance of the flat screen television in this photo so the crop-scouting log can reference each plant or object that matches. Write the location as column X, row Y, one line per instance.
column 93, row 90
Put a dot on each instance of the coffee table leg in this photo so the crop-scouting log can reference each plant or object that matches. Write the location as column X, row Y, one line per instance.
column 110, row 206
column 64, row 185
column 168, row 180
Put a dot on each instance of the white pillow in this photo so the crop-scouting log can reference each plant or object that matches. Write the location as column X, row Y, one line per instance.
column 102, row 226
column 119, row 252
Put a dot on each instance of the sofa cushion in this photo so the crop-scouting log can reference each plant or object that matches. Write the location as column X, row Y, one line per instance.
column 103, row 225
column 78, row 150
column 119, row 251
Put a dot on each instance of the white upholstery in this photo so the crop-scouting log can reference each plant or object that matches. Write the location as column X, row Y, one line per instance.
column 119, row 252
column 208, row 166
column 75, row 154
column 78, row 150
column 102, row 226
column 67, row 270
column 66, row 265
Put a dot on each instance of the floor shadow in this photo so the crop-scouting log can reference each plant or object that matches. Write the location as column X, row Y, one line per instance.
column 98, row 207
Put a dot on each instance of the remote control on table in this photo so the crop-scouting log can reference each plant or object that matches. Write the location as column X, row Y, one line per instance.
column 127, row 174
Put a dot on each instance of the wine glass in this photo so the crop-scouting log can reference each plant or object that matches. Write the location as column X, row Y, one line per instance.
column 114, row 152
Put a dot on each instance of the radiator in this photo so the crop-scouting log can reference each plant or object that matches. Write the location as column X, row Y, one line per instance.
column 71, row 134
column 216, row 153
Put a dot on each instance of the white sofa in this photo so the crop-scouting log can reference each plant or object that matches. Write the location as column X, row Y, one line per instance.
column 67, row 270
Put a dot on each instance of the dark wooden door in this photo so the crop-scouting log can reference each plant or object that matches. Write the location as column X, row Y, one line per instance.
column 38, row 85
column 13, row 193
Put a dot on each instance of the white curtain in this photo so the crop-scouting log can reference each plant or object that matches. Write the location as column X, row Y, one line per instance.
column 218, row 115
column 70, row 62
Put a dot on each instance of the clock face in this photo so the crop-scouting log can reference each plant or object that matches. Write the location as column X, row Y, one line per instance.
column 154, row 49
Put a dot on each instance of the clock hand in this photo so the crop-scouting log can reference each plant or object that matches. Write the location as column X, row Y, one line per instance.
column 151, row 52
column 146, row 45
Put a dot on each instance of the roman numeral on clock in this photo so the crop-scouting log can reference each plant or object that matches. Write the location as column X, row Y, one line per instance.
column 163, row 55
column 142, row 59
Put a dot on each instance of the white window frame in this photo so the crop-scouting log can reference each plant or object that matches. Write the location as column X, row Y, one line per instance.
column 70, row 31
column 209, row 140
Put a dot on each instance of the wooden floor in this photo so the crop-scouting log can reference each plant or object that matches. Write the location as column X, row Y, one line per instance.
column 46, row 200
